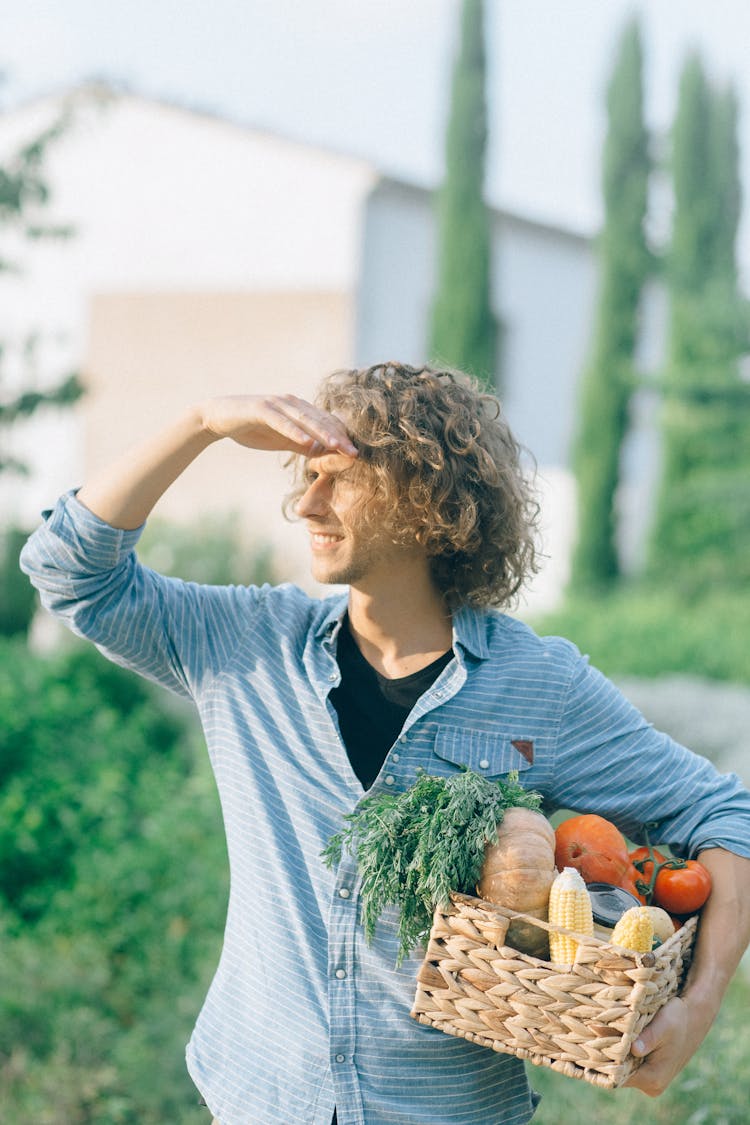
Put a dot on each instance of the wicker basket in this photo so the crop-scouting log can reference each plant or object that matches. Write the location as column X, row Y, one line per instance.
column 579, row 1020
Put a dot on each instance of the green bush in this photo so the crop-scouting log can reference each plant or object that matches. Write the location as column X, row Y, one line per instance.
column 79, row 761
column 115, row 972
column 106, row 802
column 17, row 595
column 653, row 632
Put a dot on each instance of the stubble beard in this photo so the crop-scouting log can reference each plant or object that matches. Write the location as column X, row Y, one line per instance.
column 345, row 574
column 363, row 558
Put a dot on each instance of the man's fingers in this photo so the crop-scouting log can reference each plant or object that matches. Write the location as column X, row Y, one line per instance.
column 277, row 422
column 663, row 1048
column 307, row 425
column 301, row 436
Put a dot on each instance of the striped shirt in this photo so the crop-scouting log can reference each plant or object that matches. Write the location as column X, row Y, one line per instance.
column 302, row 1015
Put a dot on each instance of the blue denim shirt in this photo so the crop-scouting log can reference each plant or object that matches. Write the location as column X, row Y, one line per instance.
column 302, row 1014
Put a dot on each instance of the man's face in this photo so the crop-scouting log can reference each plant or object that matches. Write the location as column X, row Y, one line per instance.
column 343, row 550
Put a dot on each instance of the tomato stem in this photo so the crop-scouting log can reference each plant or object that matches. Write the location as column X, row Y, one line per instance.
column 647, row 888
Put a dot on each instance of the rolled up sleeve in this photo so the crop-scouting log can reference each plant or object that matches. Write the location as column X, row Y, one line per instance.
column 88, row 575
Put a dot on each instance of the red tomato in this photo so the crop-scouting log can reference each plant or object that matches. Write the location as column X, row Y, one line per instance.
column 678, row 889
column 682, row 890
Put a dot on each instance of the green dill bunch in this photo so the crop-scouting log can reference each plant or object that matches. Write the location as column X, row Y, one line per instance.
column 413, row 848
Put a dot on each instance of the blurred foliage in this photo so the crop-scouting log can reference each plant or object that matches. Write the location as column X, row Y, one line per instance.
column 17, row 596
column 463, row 327
column 24, row 187
column 653, row 631
column 624, row 265
column 24, row 196
column 701, row 531
column 210, row 550
column 701, row 528
column 106, row 802
column 76, row 761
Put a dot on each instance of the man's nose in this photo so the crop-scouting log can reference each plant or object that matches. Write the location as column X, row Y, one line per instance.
column 313, row 501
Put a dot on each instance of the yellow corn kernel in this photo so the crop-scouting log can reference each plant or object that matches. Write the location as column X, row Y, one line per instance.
column 570, row 907
column 634, row 930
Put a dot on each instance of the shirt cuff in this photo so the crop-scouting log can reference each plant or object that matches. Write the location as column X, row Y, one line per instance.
column 78, row 527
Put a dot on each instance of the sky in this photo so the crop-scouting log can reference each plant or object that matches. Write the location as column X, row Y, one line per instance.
column 372, row 77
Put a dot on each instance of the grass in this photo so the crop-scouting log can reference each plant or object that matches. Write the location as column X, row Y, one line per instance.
column 713, row 1089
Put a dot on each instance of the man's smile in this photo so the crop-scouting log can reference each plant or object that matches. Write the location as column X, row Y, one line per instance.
column 325, row 538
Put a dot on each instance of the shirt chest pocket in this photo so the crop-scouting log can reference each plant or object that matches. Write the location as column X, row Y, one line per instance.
column 486, row 753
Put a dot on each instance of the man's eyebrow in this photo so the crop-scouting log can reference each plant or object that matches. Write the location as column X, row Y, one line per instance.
column 312, row 473
column 322, row 464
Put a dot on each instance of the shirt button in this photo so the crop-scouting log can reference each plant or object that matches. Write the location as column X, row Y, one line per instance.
column 484, row 764
column 340, row 974
column 390, row 779
column 394, row 757
column 340, row 1058
column 344, row 892
column 402, row 738
column 331, row 676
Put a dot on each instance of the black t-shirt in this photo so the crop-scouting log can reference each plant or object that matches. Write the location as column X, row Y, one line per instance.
column 371, row 708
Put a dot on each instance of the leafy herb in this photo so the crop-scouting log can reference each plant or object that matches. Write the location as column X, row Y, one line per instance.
column 414, row 848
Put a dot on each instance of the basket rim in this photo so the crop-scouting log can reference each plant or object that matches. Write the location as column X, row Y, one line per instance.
column 458, row 899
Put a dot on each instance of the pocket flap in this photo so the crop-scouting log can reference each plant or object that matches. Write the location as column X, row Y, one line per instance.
column 484, row 752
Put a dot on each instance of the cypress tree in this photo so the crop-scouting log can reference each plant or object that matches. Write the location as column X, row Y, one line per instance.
column 701, row 533
column 463, row 330
column 624, row 263
column 727, row 196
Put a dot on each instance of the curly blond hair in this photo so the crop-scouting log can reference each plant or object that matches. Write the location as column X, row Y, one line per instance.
column 436, row 452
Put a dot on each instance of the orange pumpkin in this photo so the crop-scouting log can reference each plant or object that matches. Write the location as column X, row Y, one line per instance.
column 596, row 848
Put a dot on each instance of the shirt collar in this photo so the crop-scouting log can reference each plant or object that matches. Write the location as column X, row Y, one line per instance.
column 470, row 628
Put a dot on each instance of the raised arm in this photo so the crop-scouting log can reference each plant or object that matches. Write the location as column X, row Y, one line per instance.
column 82, row 558
column 124, row 494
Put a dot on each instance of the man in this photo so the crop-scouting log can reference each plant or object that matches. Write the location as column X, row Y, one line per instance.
column 413, row 495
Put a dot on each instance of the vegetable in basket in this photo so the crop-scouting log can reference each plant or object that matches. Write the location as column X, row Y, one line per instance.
column 414, row 848
column 596, row 848
column 569, row 907
column 635, row 930
column 679, row 886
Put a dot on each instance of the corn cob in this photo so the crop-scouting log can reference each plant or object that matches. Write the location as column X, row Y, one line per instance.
column 634, row 930
column 570, row 907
